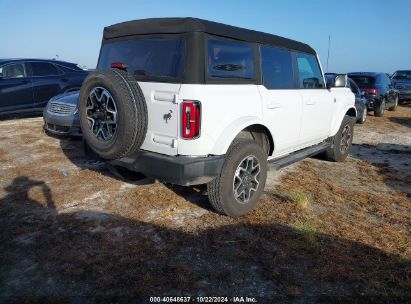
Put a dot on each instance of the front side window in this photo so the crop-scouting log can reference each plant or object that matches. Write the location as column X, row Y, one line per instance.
column 228, row 59
column 277, row 68
column 44, row 69
column 309, row 72
column 13, row 70
column 146, row 57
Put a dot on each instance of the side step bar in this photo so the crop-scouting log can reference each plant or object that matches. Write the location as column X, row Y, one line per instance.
column 276, row 164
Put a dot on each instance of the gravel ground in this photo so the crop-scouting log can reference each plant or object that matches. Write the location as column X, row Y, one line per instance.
column 72, row 231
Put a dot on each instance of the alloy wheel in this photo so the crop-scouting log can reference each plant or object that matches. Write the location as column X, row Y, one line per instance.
column 102, row 114
column 246, row 179
column 345, row 139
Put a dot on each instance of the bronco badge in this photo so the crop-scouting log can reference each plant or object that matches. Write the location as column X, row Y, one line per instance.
column 167, row 116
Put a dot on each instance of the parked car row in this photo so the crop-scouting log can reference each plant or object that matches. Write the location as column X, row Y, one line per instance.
column 26, row 85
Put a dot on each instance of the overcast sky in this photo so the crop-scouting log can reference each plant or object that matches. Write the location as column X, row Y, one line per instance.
column 366, row 35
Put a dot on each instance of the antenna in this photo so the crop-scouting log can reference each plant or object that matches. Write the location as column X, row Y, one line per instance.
column 328, row 55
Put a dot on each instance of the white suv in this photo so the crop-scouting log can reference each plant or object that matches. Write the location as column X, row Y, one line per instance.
column 189, row 101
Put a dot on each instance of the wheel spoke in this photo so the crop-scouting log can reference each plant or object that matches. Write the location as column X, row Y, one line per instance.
column 246, row 179
column 101, row 113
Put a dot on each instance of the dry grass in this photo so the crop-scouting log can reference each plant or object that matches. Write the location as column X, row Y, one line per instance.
column 326, row 230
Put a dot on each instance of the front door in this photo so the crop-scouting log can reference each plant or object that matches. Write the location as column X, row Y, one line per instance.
column 16, row 91
column 318, row 101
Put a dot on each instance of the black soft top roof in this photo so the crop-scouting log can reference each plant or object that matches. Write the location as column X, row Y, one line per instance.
column 186, row 25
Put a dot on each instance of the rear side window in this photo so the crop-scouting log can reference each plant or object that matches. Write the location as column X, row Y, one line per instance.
column 277, row 68
column 309, row 72
column 13, row 70
column 44, row 69
column 228, row 59
column 146, row 57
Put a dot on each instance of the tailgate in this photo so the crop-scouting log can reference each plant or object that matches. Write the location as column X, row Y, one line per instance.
column 162, row 108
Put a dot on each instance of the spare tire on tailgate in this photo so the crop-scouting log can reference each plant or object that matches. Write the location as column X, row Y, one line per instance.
column 113, row 113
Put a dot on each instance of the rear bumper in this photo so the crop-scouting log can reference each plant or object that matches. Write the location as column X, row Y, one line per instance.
column 180, row 170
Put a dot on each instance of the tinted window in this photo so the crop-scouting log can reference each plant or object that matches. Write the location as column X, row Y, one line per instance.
column 363, row 81
column 277, row 68
column 309, row 71
column 402, row 75
column 230, row 60
column 44, row 69
column 13, row 70
column 146, row 57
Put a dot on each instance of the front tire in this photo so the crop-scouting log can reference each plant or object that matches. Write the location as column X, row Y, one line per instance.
column 342, row 141
column 242, row 179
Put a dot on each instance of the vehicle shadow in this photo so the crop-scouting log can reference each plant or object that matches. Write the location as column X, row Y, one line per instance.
column 405, row 121
column 391, row 161
column 50, row 255
column 19, row 116
column 73, row 149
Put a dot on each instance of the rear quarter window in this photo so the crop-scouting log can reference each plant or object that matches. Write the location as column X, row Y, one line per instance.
column 227, row 59
column 146, row 57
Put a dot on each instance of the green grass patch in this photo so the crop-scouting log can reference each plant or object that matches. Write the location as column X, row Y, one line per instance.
column 301, row 198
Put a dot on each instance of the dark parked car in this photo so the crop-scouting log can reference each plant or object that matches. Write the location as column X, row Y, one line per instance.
column 26, row 85
column 381, row 94
column 61, row 115
column 402, row 82
column 361, row 103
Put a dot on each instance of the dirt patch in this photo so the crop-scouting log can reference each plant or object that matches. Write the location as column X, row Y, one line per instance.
column 71, row 229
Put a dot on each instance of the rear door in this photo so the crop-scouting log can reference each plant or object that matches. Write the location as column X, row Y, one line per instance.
column 318, row 101
column 46, row 79
column 16, row 92
column 282, row 103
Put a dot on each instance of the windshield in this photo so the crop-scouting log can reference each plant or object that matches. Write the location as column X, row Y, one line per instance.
column 402, row 75
column 146, row 57
column 363, row 81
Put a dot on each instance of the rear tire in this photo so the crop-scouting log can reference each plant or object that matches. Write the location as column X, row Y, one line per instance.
column 113, row 113
column 394, row 107
column 363, row 116
column 379, row 111
column 342, row 141
column 242, row 179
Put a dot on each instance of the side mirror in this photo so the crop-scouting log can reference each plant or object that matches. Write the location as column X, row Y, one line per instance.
column 363, row 93
column 340, row 81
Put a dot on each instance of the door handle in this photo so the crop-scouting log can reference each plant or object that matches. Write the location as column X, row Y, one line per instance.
column 274, row 105
column 64, row 79
column 310, row 102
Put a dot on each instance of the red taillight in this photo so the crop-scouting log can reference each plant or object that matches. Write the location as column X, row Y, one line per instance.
column 374, row 91
column 191, row 119
column 119, row 65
